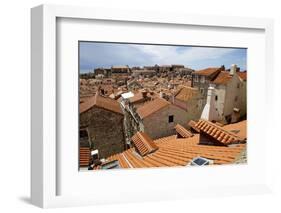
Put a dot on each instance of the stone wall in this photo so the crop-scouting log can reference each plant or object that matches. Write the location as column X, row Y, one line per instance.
column 157, row 125
column 105, row 130
column 193, row 107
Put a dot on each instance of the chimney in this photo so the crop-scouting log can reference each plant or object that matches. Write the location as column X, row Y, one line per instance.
column 233, row 69
column 209, row 112
column 161, row 94
column 144, row 93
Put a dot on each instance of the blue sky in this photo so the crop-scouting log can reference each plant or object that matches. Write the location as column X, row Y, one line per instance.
column 93, row 55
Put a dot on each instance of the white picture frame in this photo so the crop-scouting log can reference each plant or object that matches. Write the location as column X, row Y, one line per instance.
column 44, row 155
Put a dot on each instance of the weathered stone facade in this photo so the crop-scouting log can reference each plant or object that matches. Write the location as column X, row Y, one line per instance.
column 157, row 125
column 105, row 130
column 202, row 79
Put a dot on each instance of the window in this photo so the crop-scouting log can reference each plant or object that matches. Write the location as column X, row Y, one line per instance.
column 196, row 79
column 171, row 118
column 216, row 97
column 236, row 98
column 83, row 134
column 202, row 91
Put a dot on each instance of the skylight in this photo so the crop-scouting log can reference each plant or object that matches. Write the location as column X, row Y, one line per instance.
column 200, row 161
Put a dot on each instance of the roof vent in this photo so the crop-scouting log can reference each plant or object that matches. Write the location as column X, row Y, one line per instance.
column 200, row 161
column 143, row 143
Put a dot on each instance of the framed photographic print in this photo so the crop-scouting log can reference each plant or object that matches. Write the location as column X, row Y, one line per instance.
column 153, row 106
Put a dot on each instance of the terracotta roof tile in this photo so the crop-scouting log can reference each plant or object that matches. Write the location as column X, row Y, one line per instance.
column 179, row 152
column 192, row 124
column 223, row 78
column 208, row 71
column 243, row 75
column 182, row 131
column 101, row 102
column 152, row 107
column 218, row 133
column 239, row 128
column 186, row 93
column 143, row 143
column 138, row 97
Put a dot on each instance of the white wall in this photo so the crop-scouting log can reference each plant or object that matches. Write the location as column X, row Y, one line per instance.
column 15, row 114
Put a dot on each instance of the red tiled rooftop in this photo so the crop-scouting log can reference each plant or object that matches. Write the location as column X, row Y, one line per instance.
column 242, row 75
column 186, row 93
column 152, row 107
column 178, row 152
column 218, row 133
column 208, row 71
column 192, row 124
column 101, row 102
column 223, row 78
column 182, row 131
column 138, row 97
column 143, row 143
column 239, row 128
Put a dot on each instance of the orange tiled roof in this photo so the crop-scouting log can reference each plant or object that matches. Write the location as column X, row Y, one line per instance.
column 222, row 78
column 167, row 138
column 217, row 132
column 101, row 102
column 208, row 71
column 84, row 156
column 183, row 131
column 143, row 143
column 239, row 128
column 136, row 98
column 152, row 107
column 192, row 124
column 186, row 93
column 243, row 75
column 178, row 152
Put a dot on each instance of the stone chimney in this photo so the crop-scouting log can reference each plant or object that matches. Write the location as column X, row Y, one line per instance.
column 209, row 112
column 144, row 93
column 233, row 69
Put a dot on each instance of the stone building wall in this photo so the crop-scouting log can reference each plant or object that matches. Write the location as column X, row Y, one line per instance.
column 157, row 125
column 105, row 129
column 193, row 107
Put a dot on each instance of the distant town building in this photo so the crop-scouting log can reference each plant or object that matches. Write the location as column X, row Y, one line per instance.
column 120, row 69
column 175, row 67
column 143, row 72
column 101, row 125
column 134, row 85
column 184, row 72
column 164, row 68
column 155, row 67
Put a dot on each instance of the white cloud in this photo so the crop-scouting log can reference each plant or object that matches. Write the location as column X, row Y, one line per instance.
column 169, row 54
